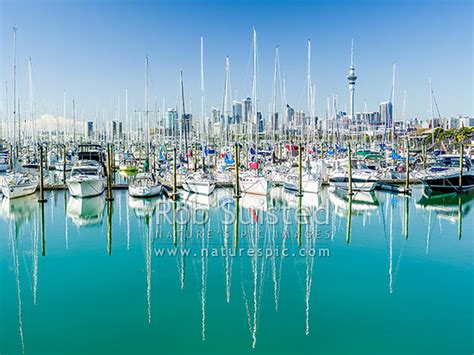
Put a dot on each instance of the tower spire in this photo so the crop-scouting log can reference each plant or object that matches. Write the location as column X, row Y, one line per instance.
column 352, row 79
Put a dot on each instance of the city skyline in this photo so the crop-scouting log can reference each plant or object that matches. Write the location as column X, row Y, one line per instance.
column 95, row 51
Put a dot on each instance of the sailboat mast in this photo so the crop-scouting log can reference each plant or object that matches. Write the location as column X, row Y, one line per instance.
column 203, row 125
column 74, row 123
column 184, row 123
column 393, row 105
column 14, row 89
column 254, row 89
column 147, row 148
column 431, row 111
column 127, row 128
column 274, row 96
column 30, row 87
column 309, row 87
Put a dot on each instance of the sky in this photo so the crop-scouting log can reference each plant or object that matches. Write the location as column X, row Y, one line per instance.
column 95, row 50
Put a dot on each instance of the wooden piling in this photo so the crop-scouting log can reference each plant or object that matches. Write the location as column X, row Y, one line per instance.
column 175, row 192
column 41, row 182
column 300, row 171
column 407, row 169
column 461, row 158
column 237, row 167
column 110, row 197
column 349, row 157
column 64, row 165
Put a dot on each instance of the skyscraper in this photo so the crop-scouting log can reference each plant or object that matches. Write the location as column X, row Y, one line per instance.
column 246, row 110
column 216, row 115
column 237, row 112
column 171, row 118
column 386, row 113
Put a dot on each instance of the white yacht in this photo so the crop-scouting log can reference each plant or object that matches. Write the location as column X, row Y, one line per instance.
column 199, row 183
column 144, row 185
column 18, row 185
column 363, row 178
column 87, row 179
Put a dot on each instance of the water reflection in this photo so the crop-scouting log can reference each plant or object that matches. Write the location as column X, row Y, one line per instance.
column 86, row 211
column 20, row 210
column 222, row 225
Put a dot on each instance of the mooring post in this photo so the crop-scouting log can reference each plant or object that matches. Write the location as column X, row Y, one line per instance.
column 64, row 166
column 461, row 157
column 423, row 149
column 300, row 170
column 110, row 197
column 174, row 194
column 41, row 185
column 237, row 167
column 407, row 169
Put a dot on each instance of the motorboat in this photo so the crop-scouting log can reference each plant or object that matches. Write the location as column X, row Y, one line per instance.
column 444, row 175
column 87, row 179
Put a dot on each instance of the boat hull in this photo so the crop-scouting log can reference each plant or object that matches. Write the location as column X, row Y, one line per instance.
column 12, row 192
column 143, row 192
column 357, row 185
column 255, row 185
column 450, row 183
column 86, row 188
column 199, row 187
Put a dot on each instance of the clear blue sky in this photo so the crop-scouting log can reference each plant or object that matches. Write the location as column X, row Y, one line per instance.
column 95, row 50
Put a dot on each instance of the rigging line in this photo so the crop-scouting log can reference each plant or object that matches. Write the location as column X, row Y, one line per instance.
column 152, row 83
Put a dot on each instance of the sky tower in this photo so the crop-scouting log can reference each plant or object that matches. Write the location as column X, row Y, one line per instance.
column 352, row 80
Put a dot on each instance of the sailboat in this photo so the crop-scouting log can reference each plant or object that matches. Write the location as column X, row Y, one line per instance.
column 363, row 179
column 19, row 185
column 16, row 184
column 252, row 182
column 145, row 184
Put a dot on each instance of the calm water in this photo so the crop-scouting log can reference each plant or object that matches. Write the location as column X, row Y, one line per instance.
column 379, row 274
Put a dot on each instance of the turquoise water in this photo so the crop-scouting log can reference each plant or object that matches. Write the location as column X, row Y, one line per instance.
column 389, row 275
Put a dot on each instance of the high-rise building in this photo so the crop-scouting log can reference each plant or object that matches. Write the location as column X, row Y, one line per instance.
column 115, row 129
column 88, row 129
column 237, row 112
column 370, row 118
column 216, row 115
column 290, row 113
column 274, row 122
column 300, row 118
column 386, row 113
column 171, row 120
column 247, row 110
column 261, row 122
